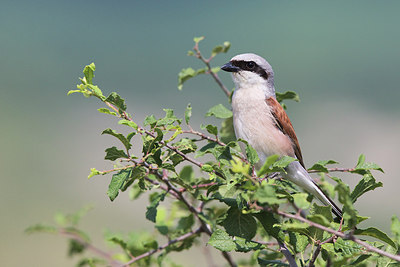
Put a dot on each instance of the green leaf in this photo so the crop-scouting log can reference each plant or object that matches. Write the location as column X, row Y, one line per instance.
column 266, row 193
column 300, row 199
column 367, row 183
column 269, row 223
column 40, row 228
column 227, row 132
column 238, row 224
column 287, row 95
column 363, row 167
column 251, row 154
column 94, row 172
column 75, row 247
column 221, row 241
column 117, row 101
column 320, row 166
column 350, row 213
column 212, row 129
column 188, row 113
column 325, row 211
column 207, row 168
column 117, row 183
column 244, row 245
column 374, row 232
column 118, row 241
column 88, row 71
column 271, row 263
column 121, row 137
column 298, row 241
column 128, row 123
column 267, row 165
column 219, row 111
column 186, row 74
column 348, row 247
column 198, row 39
column 395, row 228
column 107, row 111
column 220, row 49
column 113, row 153
column 187, row 174
column 151, row 212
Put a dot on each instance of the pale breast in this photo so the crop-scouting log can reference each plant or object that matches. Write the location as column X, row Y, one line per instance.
column 254, row 123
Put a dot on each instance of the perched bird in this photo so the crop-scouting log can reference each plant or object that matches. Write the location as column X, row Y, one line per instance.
column 259, row 119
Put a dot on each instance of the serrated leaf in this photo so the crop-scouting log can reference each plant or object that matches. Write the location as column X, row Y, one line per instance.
column 266, row 193
column 113, row 153
column 221, row 241
column 300, row 200
column 374, row 232
column 188, row 113
column 363, row 167
column 117, row 101
column 298, row 241
column 320, row 166
column 348, row 247
column 367, row 183
column 243, row 245
column 88, row 71
column 219, row 111
column 287, row 95
column 117, row 183
column 238, row 224
column 151, row 212
column 252, row 155
column 107, row 111
column 320, row 219
column 325, row 211
column 121, row 137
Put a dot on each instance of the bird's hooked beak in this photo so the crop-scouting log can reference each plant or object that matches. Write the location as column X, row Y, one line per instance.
column 229, row 67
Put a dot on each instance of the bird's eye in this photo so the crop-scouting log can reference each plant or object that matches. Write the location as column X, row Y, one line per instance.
column 250, row 65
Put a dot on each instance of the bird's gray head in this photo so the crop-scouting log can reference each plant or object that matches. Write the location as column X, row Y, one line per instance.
column 250, row 70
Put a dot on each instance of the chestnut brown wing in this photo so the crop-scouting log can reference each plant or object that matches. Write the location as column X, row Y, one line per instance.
column 283, row 123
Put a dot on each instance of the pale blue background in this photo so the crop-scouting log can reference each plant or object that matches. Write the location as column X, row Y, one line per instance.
column 342, row 57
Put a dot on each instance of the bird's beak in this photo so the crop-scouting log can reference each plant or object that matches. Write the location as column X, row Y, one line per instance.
column 229, row 67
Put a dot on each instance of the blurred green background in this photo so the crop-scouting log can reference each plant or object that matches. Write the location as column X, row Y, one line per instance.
column 342, row 57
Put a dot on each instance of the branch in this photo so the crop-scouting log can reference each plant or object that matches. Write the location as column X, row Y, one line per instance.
column 335, row 170
column 285, row 251
column 337, row 233
column 89, row 246
column 151, row 252
column 214, row 75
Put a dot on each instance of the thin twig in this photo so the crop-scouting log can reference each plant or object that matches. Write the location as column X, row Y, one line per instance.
column 214, row 75
column 335, row 170
column 151, row 252
column 89, row 246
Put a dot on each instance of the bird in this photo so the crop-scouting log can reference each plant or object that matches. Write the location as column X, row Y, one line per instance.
column 259, row 119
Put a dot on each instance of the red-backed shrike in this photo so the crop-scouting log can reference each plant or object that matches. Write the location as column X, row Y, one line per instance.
column 259, row 119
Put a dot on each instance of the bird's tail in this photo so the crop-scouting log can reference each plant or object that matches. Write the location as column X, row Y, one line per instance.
column 298, row 175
